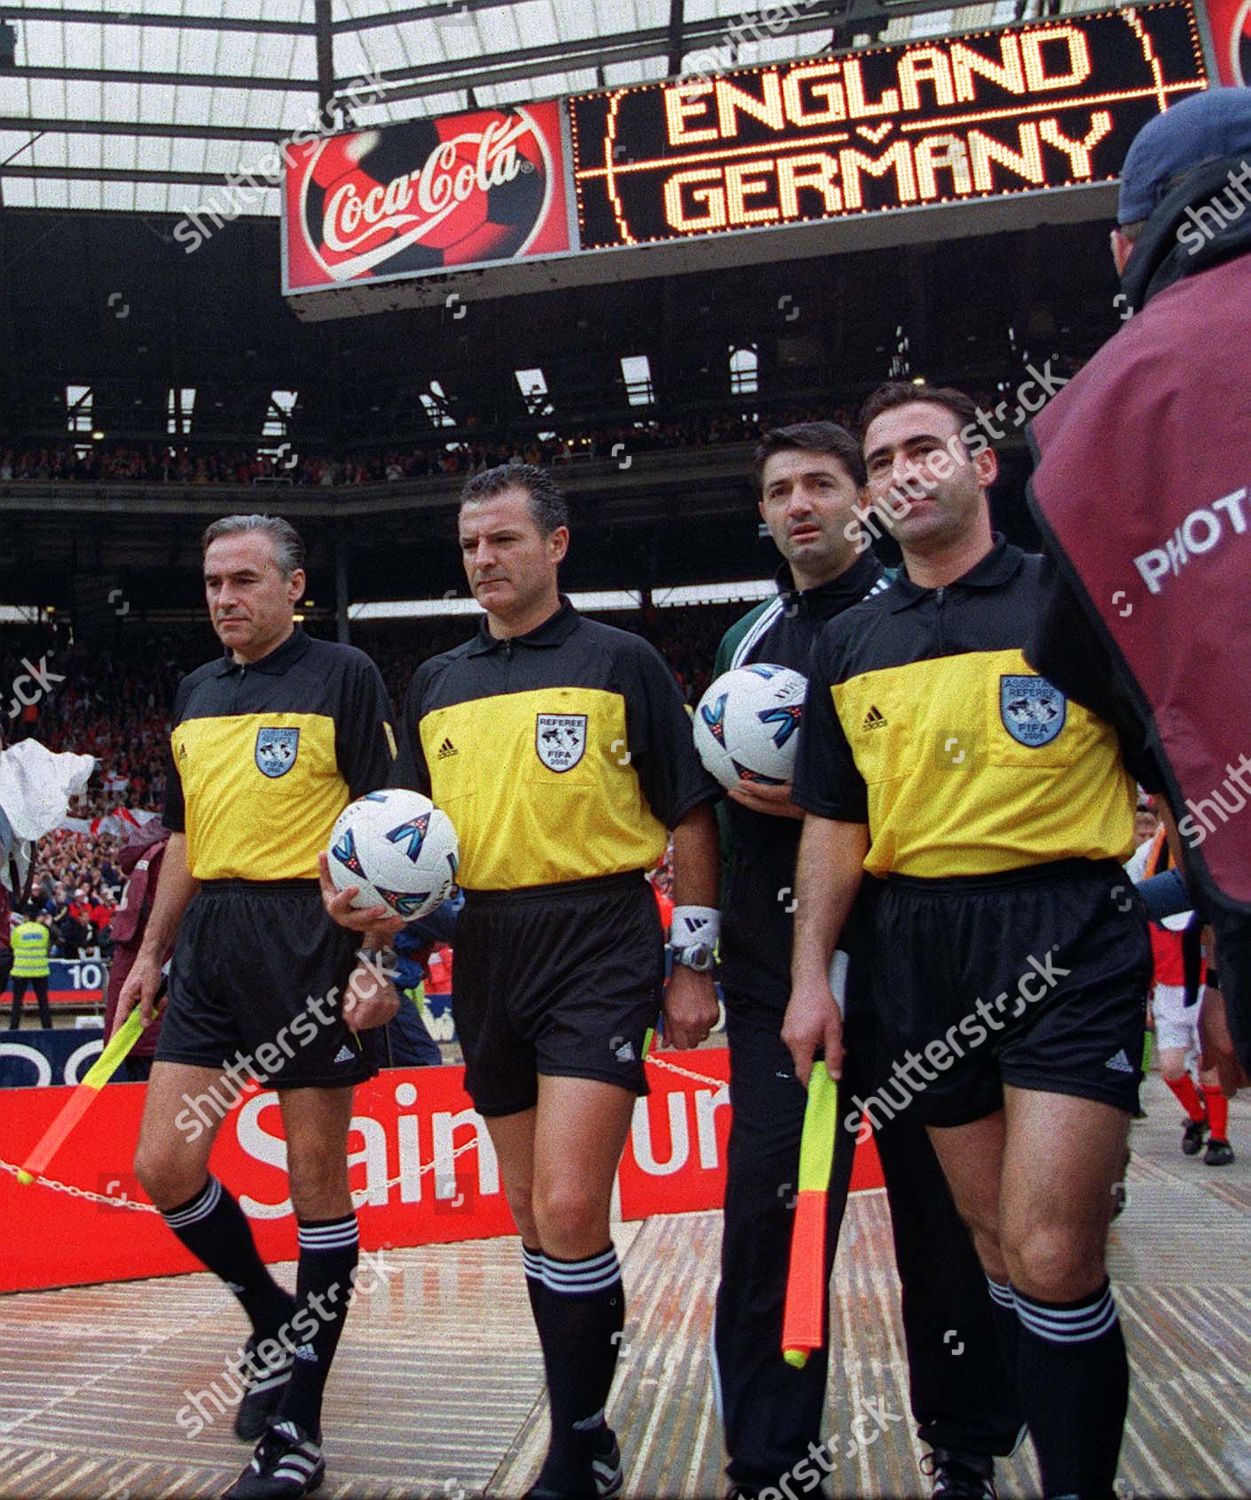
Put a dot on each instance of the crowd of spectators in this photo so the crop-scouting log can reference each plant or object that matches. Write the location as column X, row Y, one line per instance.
column 114, row 706
column 156, row 463
column 78, row 884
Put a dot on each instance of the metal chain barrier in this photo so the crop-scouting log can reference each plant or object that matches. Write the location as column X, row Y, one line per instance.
column 660, row 1062
column 359, row 1195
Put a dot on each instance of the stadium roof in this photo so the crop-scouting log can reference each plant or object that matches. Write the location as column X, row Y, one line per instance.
column 134, row 106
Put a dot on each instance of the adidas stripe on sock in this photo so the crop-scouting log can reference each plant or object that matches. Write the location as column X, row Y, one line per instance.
column 532, row 1261
column 329, row 1251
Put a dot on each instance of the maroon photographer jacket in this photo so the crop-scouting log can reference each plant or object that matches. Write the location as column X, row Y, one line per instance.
column 1142, row 491
column 1141, row 488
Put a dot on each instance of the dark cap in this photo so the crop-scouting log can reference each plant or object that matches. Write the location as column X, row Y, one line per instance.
column 1202, row 128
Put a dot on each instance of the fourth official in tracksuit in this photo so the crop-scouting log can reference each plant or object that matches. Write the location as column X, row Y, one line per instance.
column 771, row 1411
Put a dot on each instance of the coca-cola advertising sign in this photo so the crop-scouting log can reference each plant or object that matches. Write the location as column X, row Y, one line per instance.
column 426, row 196
column 1230, row 21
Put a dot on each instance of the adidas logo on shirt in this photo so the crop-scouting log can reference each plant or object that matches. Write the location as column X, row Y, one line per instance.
column 875, row 718
column 344, row 1054
column 1120, row 1063
column 447, row 750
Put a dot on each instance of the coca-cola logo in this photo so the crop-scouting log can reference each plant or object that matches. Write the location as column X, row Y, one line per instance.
column 427, row 194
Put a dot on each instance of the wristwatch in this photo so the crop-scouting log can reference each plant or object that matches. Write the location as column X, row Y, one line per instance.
column 699, row 956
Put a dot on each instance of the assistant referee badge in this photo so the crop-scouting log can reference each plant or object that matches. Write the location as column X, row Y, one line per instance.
column 560, row 740
column 276, row 750
column 1033, row 711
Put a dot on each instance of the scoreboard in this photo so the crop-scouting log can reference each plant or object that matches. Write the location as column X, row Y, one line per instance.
column 762, row 163
column 1046, row 106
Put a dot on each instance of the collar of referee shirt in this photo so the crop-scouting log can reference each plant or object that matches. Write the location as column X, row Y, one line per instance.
column 832, row 596
column 555, row 629
column 1000, row 565
column 278, row 660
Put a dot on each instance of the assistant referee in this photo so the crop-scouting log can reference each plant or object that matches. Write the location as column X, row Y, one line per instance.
column 810, row 479
column 270, row 743
column 1011, row 981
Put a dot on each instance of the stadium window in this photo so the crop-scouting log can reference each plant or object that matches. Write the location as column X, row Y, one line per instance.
column 436, row 404
column 744, row 371
column 533, row 387
column 281, row 406
column 277, row 417
column 78, row 408
column 179, row 406
column 636, row 371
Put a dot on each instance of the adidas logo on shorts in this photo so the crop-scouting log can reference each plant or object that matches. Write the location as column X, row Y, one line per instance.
column 1120, row 1063
column 344, row 1054
column 875, row 718
column 447, row 750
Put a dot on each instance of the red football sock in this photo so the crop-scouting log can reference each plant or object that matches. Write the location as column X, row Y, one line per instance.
column 1218, row 1113
column 1187, row 1095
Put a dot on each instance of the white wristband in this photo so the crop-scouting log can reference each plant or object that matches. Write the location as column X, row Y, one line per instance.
column 695, row 924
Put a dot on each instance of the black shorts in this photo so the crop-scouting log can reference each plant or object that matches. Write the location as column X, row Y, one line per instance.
column 1036, row 978
column 561, row 980
column 259, row 974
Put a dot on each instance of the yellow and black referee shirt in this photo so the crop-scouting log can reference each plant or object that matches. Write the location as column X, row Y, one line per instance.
column 564, row 754
column 267, row 754
column 924, row 721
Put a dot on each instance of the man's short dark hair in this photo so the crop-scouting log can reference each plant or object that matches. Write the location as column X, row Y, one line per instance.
column 811, row 437
column 548, row 508
column 904, row 393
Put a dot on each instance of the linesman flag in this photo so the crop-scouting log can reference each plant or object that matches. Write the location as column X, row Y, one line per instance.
column 83, row 1097
column 804, row 1318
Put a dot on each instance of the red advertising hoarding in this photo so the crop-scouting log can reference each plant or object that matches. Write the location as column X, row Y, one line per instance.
column 421, row 1166
column 426, row 196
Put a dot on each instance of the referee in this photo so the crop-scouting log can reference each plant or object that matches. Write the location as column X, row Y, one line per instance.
column 270, row 743
column 1011, row 982
column 810, row 478
column 561, row 750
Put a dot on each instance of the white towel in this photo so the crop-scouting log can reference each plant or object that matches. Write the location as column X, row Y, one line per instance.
column 35, row 787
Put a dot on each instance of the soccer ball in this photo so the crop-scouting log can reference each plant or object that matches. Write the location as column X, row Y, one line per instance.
column 746, row 724
column 399, row 848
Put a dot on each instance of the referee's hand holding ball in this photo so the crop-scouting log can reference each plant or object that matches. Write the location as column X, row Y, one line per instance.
column 376, row 922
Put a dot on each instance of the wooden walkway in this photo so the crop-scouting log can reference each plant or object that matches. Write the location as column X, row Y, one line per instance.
column 437, row 1387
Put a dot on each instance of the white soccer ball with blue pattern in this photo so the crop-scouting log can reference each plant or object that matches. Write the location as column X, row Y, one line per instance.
column 747, row 724
column 399, row 848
